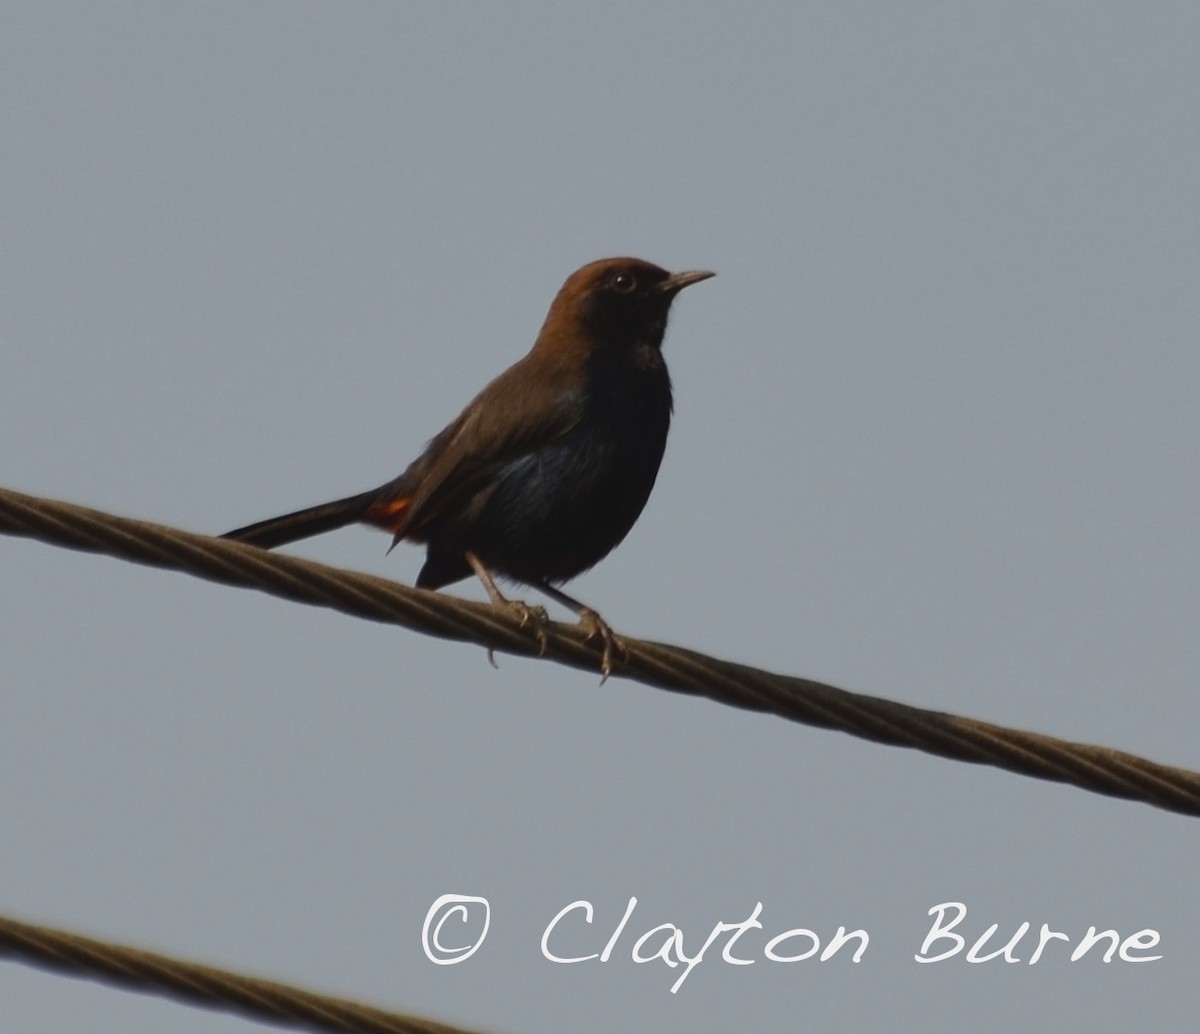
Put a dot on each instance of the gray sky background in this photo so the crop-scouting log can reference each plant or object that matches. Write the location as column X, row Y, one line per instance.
column 936, row 440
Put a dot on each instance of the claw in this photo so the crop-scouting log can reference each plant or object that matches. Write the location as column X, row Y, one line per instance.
column 595, row 625
column 535, row 616
column 525, row 615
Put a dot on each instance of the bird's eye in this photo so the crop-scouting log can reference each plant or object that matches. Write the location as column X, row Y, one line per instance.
column 625, row 283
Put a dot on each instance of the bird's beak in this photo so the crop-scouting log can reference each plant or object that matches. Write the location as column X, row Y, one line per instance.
column 676, row 282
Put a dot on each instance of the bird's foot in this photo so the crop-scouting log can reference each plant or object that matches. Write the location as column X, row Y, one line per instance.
column 535, row 616
column 525, row 616
column 595, row 626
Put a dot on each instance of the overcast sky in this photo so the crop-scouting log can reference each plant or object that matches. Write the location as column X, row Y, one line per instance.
column 936, row 440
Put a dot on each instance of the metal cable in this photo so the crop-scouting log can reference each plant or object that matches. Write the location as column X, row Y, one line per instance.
column 1098, row 769
column 204, row 986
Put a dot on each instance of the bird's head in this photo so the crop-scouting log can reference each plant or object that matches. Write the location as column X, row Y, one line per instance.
column 616, row 302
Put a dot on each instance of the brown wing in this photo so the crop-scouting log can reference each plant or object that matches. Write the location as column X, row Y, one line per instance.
column 533, row 403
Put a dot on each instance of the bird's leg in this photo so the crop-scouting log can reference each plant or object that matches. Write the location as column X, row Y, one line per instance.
column 524, row 613
column 592, row 622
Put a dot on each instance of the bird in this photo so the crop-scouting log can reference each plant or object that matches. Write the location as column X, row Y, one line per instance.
column 547, row 469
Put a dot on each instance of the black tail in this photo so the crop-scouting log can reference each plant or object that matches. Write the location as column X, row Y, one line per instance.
column 314, row 520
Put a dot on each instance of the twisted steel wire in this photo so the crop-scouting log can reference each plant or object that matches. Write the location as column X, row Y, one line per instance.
column 1099, row 769
column 204, row 986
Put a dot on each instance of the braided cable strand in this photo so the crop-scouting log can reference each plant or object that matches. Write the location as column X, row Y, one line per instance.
column 204, row 986
column 1098, row 769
